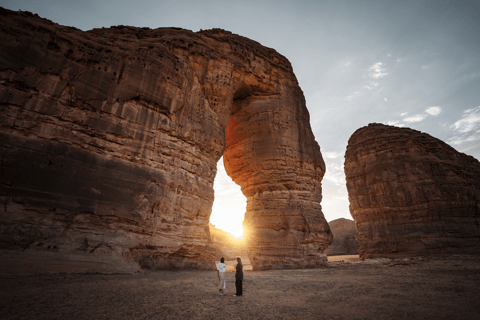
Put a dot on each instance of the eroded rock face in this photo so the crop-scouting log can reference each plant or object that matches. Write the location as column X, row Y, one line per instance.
column 109, row 141
column 411, row 194
column 345, row 238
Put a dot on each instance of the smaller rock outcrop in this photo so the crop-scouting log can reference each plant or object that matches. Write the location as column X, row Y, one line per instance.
column 345, row 238
column 411, row 194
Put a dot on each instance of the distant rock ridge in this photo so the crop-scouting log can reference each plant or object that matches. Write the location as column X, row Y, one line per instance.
column 345, row 238
column 411, row 194
column 110, row 138
column 227, row 245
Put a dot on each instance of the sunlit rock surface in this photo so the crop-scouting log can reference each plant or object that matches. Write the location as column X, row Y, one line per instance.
column 345, row 238
column 109, row 141
column 411, row 194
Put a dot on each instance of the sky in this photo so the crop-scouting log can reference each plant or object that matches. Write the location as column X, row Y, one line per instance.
column 409, row 63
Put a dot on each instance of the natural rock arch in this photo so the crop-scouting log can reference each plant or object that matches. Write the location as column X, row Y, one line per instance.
column 110, row 140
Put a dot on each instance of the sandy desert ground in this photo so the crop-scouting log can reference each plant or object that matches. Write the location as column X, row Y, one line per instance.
column 415, row 288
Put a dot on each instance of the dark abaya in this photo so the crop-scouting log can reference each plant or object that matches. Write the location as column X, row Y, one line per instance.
column 239, row 279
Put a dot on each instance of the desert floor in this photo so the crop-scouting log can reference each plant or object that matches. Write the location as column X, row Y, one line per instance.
column 418, row 288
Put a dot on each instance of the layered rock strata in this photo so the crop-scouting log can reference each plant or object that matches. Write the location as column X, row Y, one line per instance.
column 345, row 238
column 411, row 194
column 109, row 141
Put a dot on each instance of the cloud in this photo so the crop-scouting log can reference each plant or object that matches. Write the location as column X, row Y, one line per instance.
column 335, row 173
column 353, row 95
column 395, row 123
column 464, row 138
column 433, row 111
column 430, row 111
column 385, row 99
column 425, row 67
column 415, row 118
column 470, row 120
column 331, row 155
column 467, row 133
column 377, row 70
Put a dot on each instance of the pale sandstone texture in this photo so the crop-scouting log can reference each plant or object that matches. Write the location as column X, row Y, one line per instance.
column 109, row 141
column 345, row 238
column 411, row 194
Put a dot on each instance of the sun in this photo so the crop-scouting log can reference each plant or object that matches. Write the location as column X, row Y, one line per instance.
column 228, row 218
column 238, row 233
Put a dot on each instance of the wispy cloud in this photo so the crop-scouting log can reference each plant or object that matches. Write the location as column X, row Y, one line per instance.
column 425, row 67
column 415, row 118
column 352, row 95
column 430, row 111
column 433, row 111
column 371, row 85
column 395, row 123
column 385, row 99
column 470, row 121
column 377, row 70
column 335, row 173
column 467, row 132
column 331, row 154
column 464, row 139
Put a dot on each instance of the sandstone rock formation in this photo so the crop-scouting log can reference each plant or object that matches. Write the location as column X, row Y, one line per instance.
column 411, row 194
column 109, row 141
column 345, row 238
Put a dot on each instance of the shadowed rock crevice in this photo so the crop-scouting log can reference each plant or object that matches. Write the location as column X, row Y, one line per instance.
column 411, row 194
column 110, row 139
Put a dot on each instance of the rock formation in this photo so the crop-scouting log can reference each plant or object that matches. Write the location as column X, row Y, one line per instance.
column 411, row 194
column 109, row 141
column 345, row 238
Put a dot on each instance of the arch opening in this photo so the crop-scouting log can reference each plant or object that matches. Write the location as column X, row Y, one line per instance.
column 226, row 220
column 229, row 206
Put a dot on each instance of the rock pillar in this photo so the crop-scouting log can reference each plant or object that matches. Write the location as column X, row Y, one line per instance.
column 411, row 194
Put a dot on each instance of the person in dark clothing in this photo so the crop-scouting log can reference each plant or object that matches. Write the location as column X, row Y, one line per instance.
column 239, row 278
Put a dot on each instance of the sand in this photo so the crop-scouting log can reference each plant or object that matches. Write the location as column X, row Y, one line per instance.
column 440, row 288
